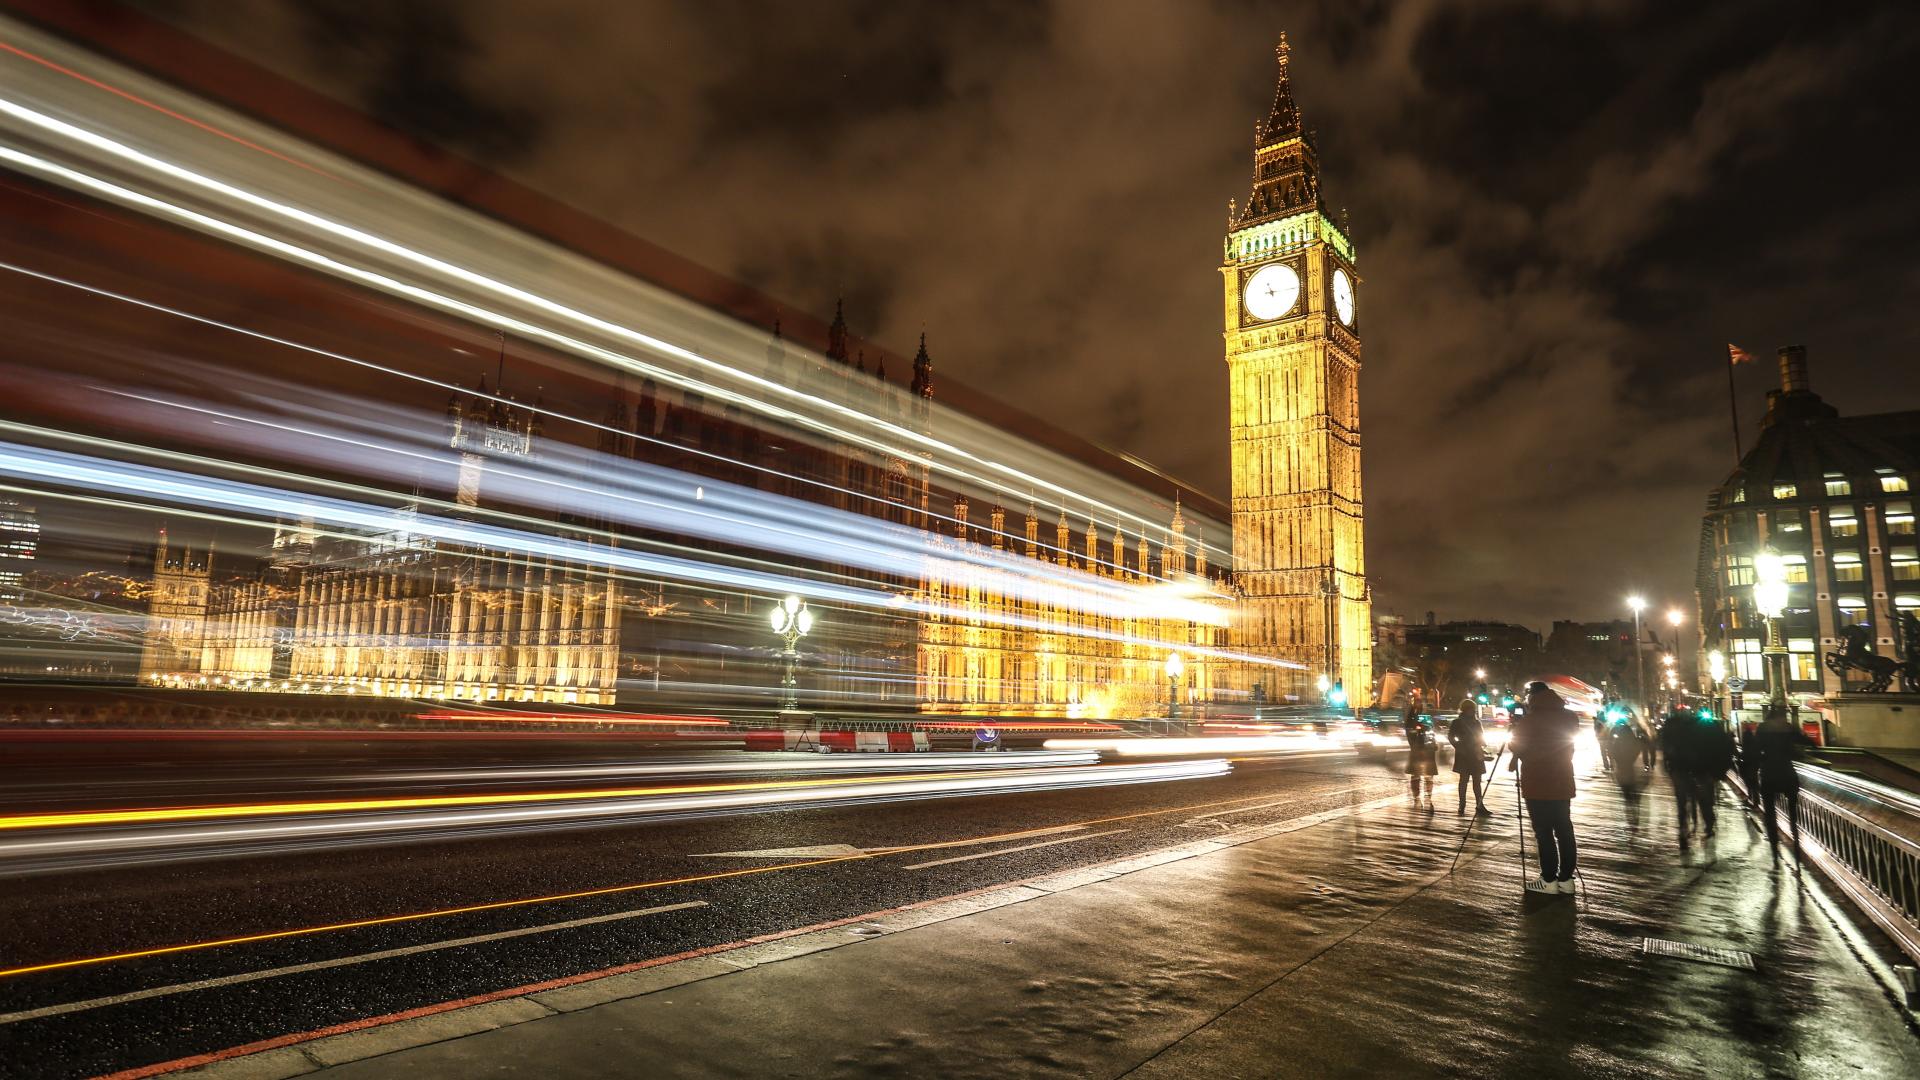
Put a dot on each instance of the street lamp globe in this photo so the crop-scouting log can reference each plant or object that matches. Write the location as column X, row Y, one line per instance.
column 1637, row 603
column 1322, row 682
column 1717, row 666
column 1770, row 584
column 1176, row 665
column 1480, row 673
column 1675, row 616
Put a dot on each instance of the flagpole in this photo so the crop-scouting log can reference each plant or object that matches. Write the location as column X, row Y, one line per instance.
column 1733, row 405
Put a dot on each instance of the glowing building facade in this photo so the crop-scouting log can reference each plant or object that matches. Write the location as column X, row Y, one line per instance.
column 994, row 644
column 1293, row 361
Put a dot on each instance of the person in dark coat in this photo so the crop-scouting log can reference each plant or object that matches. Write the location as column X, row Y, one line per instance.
column 1626, row 745
column 1778, row 747
column 1713, row 756
column 1677, row 747
column 1469, row 741
column 1542, row 743
column 1423, row 756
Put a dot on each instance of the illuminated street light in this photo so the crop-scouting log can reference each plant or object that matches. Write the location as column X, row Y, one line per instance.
column 1770, row 599
column 1480, row 673
column 1176, row 666
column 1675, row 616
column 1669, row 659
column 791, row 619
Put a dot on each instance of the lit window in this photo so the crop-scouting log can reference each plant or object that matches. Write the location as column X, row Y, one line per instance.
column 1892, row 481
column 1841, row 522
column 1899, row 518
column 1906, row 602
column 1837, row 484
column 1800, row 644
column 1790, row 521
column 1739, row 495
column 1739, row 570
column 1796, row 566
column 1906, row 564
column 1785, row 491
column 1847, row 566
column 1805, row 667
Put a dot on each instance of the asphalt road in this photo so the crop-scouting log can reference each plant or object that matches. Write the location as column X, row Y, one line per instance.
column 657, row 888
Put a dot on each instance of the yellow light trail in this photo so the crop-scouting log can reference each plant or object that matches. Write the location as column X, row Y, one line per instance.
column 158, row 814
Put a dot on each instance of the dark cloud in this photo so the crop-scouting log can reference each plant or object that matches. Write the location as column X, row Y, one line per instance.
column 1564, row 211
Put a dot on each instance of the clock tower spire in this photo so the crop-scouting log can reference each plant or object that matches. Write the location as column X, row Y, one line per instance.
column 1292, row 342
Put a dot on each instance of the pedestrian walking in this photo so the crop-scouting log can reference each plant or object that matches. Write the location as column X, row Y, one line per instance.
column 1677, row 747
column 1423, row 755
column 1626, row 746
column 1713, row 751
column 1542, row 743
column 1469, row 739
column 1779, row 746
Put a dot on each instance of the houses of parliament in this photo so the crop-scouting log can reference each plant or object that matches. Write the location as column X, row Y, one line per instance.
column 398, row 615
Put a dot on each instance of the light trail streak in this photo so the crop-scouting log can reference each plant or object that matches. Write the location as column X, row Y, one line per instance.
column 158, row 814
column 451, row 227
column 1218, row 744
column 640, row 719
column 101, row 839
column 100, row 474
column 756, row 402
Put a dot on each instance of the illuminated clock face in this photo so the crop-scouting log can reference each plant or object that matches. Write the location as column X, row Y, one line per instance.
column 1343, row 297
column 1272, row 291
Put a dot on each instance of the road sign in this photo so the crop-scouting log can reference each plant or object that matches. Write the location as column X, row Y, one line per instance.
column 1736, row 684
column 1736, row 701
column 986, row 738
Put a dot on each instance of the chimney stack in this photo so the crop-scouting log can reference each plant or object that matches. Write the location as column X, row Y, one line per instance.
column 1793, row 370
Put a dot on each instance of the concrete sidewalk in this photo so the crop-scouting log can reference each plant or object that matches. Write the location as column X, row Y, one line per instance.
column 1336, row 946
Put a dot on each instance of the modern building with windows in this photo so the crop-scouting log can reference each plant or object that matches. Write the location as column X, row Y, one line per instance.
column 1833, row 496
column 19, row 545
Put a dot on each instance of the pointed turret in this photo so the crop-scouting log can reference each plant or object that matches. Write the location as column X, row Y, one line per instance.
column 1033, row 533
column 922, row 370
column 1286, row 167
column 1283, row 120
column 837, row 334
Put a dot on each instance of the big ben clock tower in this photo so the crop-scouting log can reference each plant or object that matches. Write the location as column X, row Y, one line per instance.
column 1293, row 359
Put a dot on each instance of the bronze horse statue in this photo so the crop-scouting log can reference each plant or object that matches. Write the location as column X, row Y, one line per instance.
column 1856, row 655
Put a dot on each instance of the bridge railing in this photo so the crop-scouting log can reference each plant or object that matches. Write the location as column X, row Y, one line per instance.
column 1866, row 838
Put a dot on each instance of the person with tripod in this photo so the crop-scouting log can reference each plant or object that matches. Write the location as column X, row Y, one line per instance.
column 1542, row 744
column 1469, row 741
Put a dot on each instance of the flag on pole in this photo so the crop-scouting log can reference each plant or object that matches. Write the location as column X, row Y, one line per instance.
column 1738, row 355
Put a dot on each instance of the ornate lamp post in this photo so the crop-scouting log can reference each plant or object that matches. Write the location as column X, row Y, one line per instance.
column 1638, row 604
column 791, row 619
column 1176, row 666
column 1770, row 599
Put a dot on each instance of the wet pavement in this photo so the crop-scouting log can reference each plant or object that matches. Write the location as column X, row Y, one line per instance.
column 1348, row 943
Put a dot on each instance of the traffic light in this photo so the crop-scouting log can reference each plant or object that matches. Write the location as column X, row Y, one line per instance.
column 1506, row 701
column 1481, row 695
column 1337, row 696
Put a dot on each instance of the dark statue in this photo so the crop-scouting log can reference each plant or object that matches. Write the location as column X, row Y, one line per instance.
column 1857, row 655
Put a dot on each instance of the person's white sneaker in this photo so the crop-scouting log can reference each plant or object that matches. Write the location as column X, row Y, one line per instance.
column 1565, row 887
column 1540, row 885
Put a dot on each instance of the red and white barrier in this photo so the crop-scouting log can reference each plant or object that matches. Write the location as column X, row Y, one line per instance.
column 856, row 742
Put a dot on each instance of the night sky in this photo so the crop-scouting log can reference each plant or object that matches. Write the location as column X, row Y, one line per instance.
column 1564, row 212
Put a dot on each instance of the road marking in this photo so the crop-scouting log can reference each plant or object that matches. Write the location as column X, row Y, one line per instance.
column 1245, row 809
column 827, row 851
column 344, row 961
column 1008, row 850
column 822, row 851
